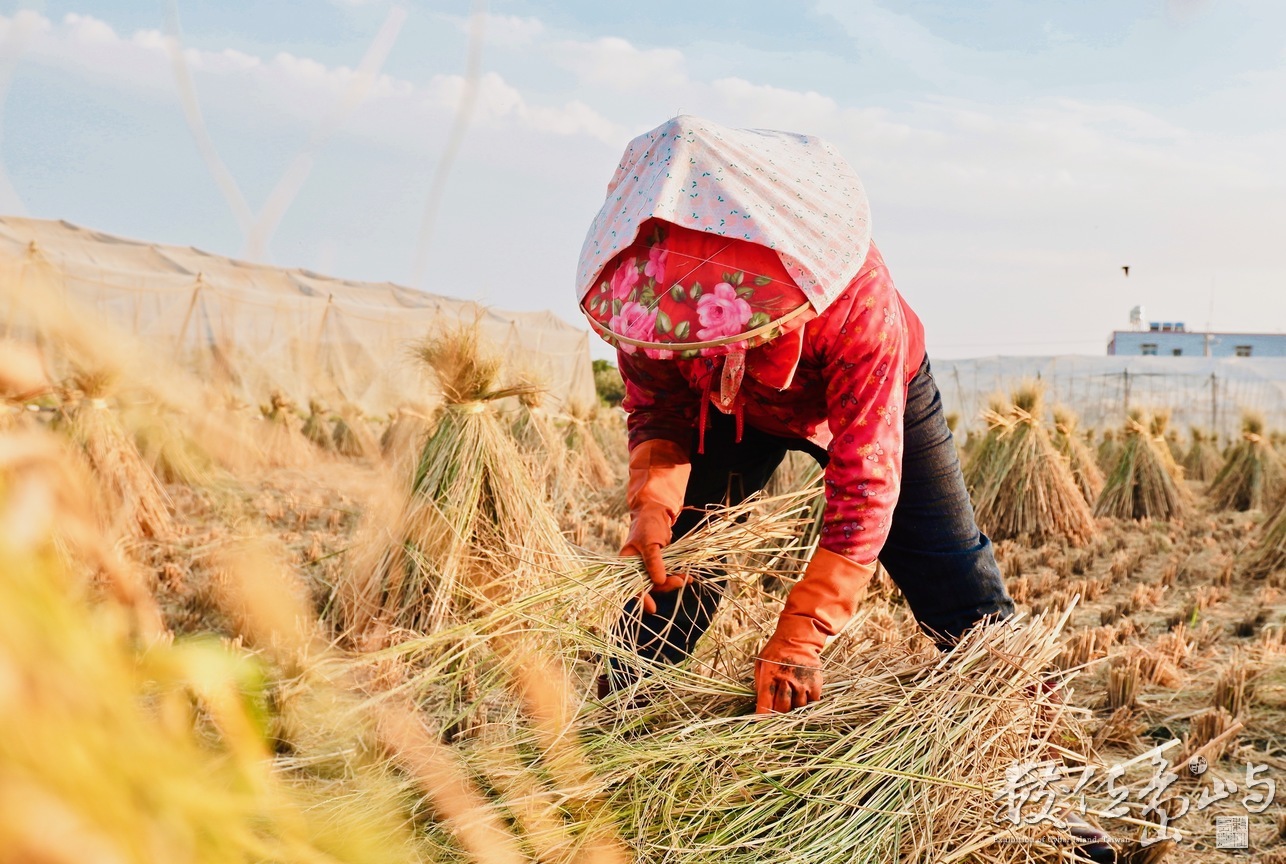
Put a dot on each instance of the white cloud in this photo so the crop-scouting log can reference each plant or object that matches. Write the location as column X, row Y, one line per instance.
column 504, row 31
column 500, row 103
column 24, row 23
column 84, row 30
column 775, row 106
column 298, row 89
column 614, row 63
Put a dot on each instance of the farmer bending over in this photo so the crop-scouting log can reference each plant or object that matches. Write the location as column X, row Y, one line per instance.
column 734, row 272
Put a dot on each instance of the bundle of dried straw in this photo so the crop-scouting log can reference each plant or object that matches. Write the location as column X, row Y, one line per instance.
column 1202, row 461
column 1144, row 483
column 1022, row 486
column 1254, row 476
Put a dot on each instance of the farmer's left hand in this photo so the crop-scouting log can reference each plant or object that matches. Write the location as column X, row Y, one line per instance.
column 788, row 671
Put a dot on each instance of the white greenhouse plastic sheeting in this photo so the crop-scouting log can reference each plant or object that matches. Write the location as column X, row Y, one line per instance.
column 1206, row 392
column 260, row 329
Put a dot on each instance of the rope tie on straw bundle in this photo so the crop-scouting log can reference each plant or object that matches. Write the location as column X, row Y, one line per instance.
column 993, row 418
column 1253, row 437
column 474, row 407
column 97, row 403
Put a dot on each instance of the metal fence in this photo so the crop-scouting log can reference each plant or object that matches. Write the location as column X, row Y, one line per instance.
column 1206, row 392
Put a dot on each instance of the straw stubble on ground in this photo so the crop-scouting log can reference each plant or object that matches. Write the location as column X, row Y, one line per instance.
column 454, row 722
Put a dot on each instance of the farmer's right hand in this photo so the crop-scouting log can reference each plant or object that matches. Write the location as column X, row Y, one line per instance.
column 659, row 471
column 649, row 534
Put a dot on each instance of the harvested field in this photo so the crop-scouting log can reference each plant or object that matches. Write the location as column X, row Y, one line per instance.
column 339, row 654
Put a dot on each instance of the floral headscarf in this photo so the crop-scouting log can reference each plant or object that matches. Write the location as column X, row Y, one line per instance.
column 683, row 293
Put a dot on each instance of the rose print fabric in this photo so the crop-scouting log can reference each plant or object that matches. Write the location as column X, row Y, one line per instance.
column 676, row 291
column 793, row 194
column 838, row 381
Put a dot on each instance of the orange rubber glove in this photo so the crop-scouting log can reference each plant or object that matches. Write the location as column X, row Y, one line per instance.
column 788, row 672
column 659, row 472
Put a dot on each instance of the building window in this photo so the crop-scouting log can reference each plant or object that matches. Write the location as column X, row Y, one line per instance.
column 1148, row 348
column 1242, row 350
column 1177, row 352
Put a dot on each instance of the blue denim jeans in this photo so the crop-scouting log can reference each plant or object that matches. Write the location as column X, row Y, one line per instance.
column 941, row 562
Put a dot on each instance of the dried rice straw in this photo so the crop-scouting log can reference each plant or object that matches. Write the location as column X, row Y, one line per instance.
column 1254, row 477
column 1029, row 490
column 1202, row 461
column 1142, row 484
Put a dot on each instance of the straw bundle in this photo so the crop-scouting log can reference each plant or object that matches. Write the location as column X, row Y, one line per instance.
column 1142, row 484
column 283, row 441
column 584, row 452
column 1269, row 556
column 1167, row 446
column 228, row 429
column 461, row 672
column 404, row 436
column 315, row 428
column 982, row 450
column 168, row 447
column 1172, row 444
column 1068, row 442
column 132, row 493
column 474, row 532
column 1202, row 461
column 352, row 436
column 1254, row 477
column 544, row 448
column 608, row 427
column 1109, row 450
column 1028, row 489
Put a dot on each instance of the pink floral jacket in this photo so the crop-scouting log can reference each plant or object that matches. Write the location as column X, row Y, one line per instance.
column 840, row 381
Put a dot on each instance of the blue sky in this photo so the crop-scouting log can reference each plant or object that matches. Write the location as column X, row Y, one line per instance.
column 1016, row 152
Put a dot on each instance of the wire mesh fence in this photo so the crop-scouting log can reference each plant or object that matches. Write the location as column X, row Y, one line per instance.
column 1209, row 393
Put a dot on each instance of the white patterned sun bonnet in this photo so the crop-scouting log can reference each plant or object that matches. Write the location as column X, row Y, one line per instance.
column 791, row 193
